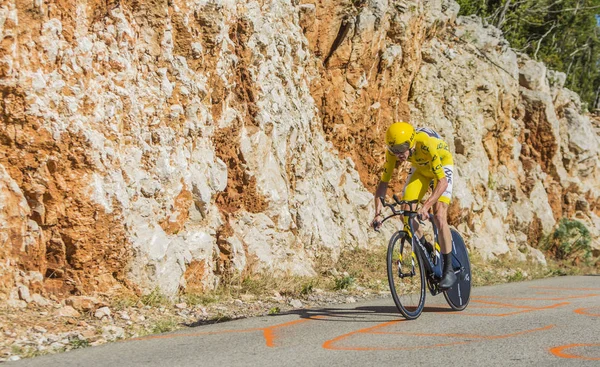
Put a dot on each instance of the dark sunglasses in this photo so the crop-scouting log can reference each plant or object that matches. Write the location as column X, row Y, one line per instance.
column 399, row 149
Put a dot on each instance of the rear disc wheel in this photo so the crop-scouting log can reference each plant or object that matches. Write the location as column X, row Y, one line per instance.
column 459, row 295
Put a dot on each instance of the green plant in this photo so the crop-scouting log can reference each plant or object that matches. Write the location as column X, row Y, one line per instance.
column 155, row 298
column 163, row 326
column 558, row 272
column 26, row 352
column 266, row 284
column 201, row 299
column 491, row 182
column 569, row 241
column 307, row 288
column 517, row 276
column 122, row 301
column 343, row 283
column 274, row 310
column 78, row 343
column 220, row 318
column 468, row 36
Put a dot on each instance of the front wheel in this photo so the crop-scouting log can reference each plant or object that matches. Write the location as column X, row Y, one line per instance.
column 406, row 276
column 459, row 295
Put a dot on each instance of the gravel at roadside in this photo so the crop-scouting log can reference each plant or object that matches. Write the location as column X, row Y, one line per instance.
column 37, row 328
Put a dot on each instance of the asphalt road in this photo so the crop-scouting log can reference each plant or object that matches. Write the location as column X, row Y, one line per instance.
column 550, row 322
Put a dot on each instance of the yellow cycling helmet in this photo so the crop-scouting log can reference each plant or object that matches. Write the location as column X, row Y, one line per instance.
column 400, row 137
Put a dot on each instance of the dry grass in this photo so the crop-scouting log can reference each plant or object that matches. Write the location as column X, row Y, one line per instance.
column 357, row 269
column 255, row 287
column 505, row 270
column 360, row 269
column 367, row 267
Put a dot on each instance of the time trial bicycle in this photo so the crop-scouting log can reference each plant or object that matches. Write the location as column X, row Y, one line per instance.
column 411, row 266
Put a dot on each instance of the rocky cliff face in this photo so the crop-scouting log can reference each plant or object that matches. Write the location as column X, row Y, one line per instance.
column 526, row 155
column 168, row 144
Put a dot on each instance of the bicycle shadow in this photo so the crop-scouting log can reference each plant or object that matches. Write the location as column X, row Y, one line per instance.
column 336, row 314
column 388, row 313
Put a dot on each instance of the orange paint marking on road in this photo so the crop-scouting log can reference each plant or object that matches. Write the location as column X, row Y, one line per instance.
column 559, row 351
column 474, row 336
column 269, row 336
column 491, row 304
column 585, row 311
column 496, row 314
column 330, row 344
column 268, row 332
column 561, row 298
column 568, row 289
column 510, row 305
column 484, row 306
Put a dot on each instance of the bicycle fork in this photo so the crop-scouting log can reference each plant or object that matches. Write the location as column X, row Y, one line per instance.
column 413, row 261
column 412, row 273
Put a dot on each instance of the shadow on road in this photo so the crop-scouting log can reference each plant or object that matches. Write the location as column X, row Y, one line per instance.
column 388, row 313
column 335, row 314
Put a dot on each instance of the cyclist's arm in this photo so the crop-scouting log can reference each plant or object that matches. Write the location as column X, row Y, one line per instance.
column 386, row 175
column 380, row 192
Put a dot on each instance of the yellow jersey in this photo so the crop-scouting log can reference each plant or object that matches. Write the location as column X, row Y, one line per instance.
column 428, row 157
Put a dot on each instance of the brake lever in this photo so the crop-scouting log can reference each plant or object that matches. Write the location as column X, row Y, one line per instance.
column 422, row 221
column 391, row 206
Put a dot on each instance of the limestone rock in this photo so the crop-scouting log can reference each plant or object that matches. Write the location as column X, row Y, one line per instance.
column 102, row 312
column 67, row 311
column 153, row 148
column 84, row 303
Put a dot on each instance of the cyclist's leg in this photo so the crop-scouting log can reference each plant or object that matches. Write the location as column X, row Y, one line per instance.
column 440, row 210
column 440, row 218
column 415, row 188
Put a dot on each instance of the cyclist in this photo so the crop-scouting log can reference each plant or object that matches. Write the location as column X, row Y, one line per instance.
column 431, row 162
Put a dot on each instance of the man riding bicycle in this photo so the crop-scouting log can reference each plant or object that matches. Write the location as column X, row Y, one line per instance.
column 431, row 160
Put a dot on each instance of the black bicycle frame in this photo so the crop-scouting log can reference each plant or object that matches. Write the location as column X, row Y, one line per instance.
column 430, row 267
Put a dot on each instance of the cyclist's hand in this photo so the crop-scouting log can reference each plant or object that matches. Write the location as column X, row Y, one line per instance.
column 423, row 213
column 376, row 223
